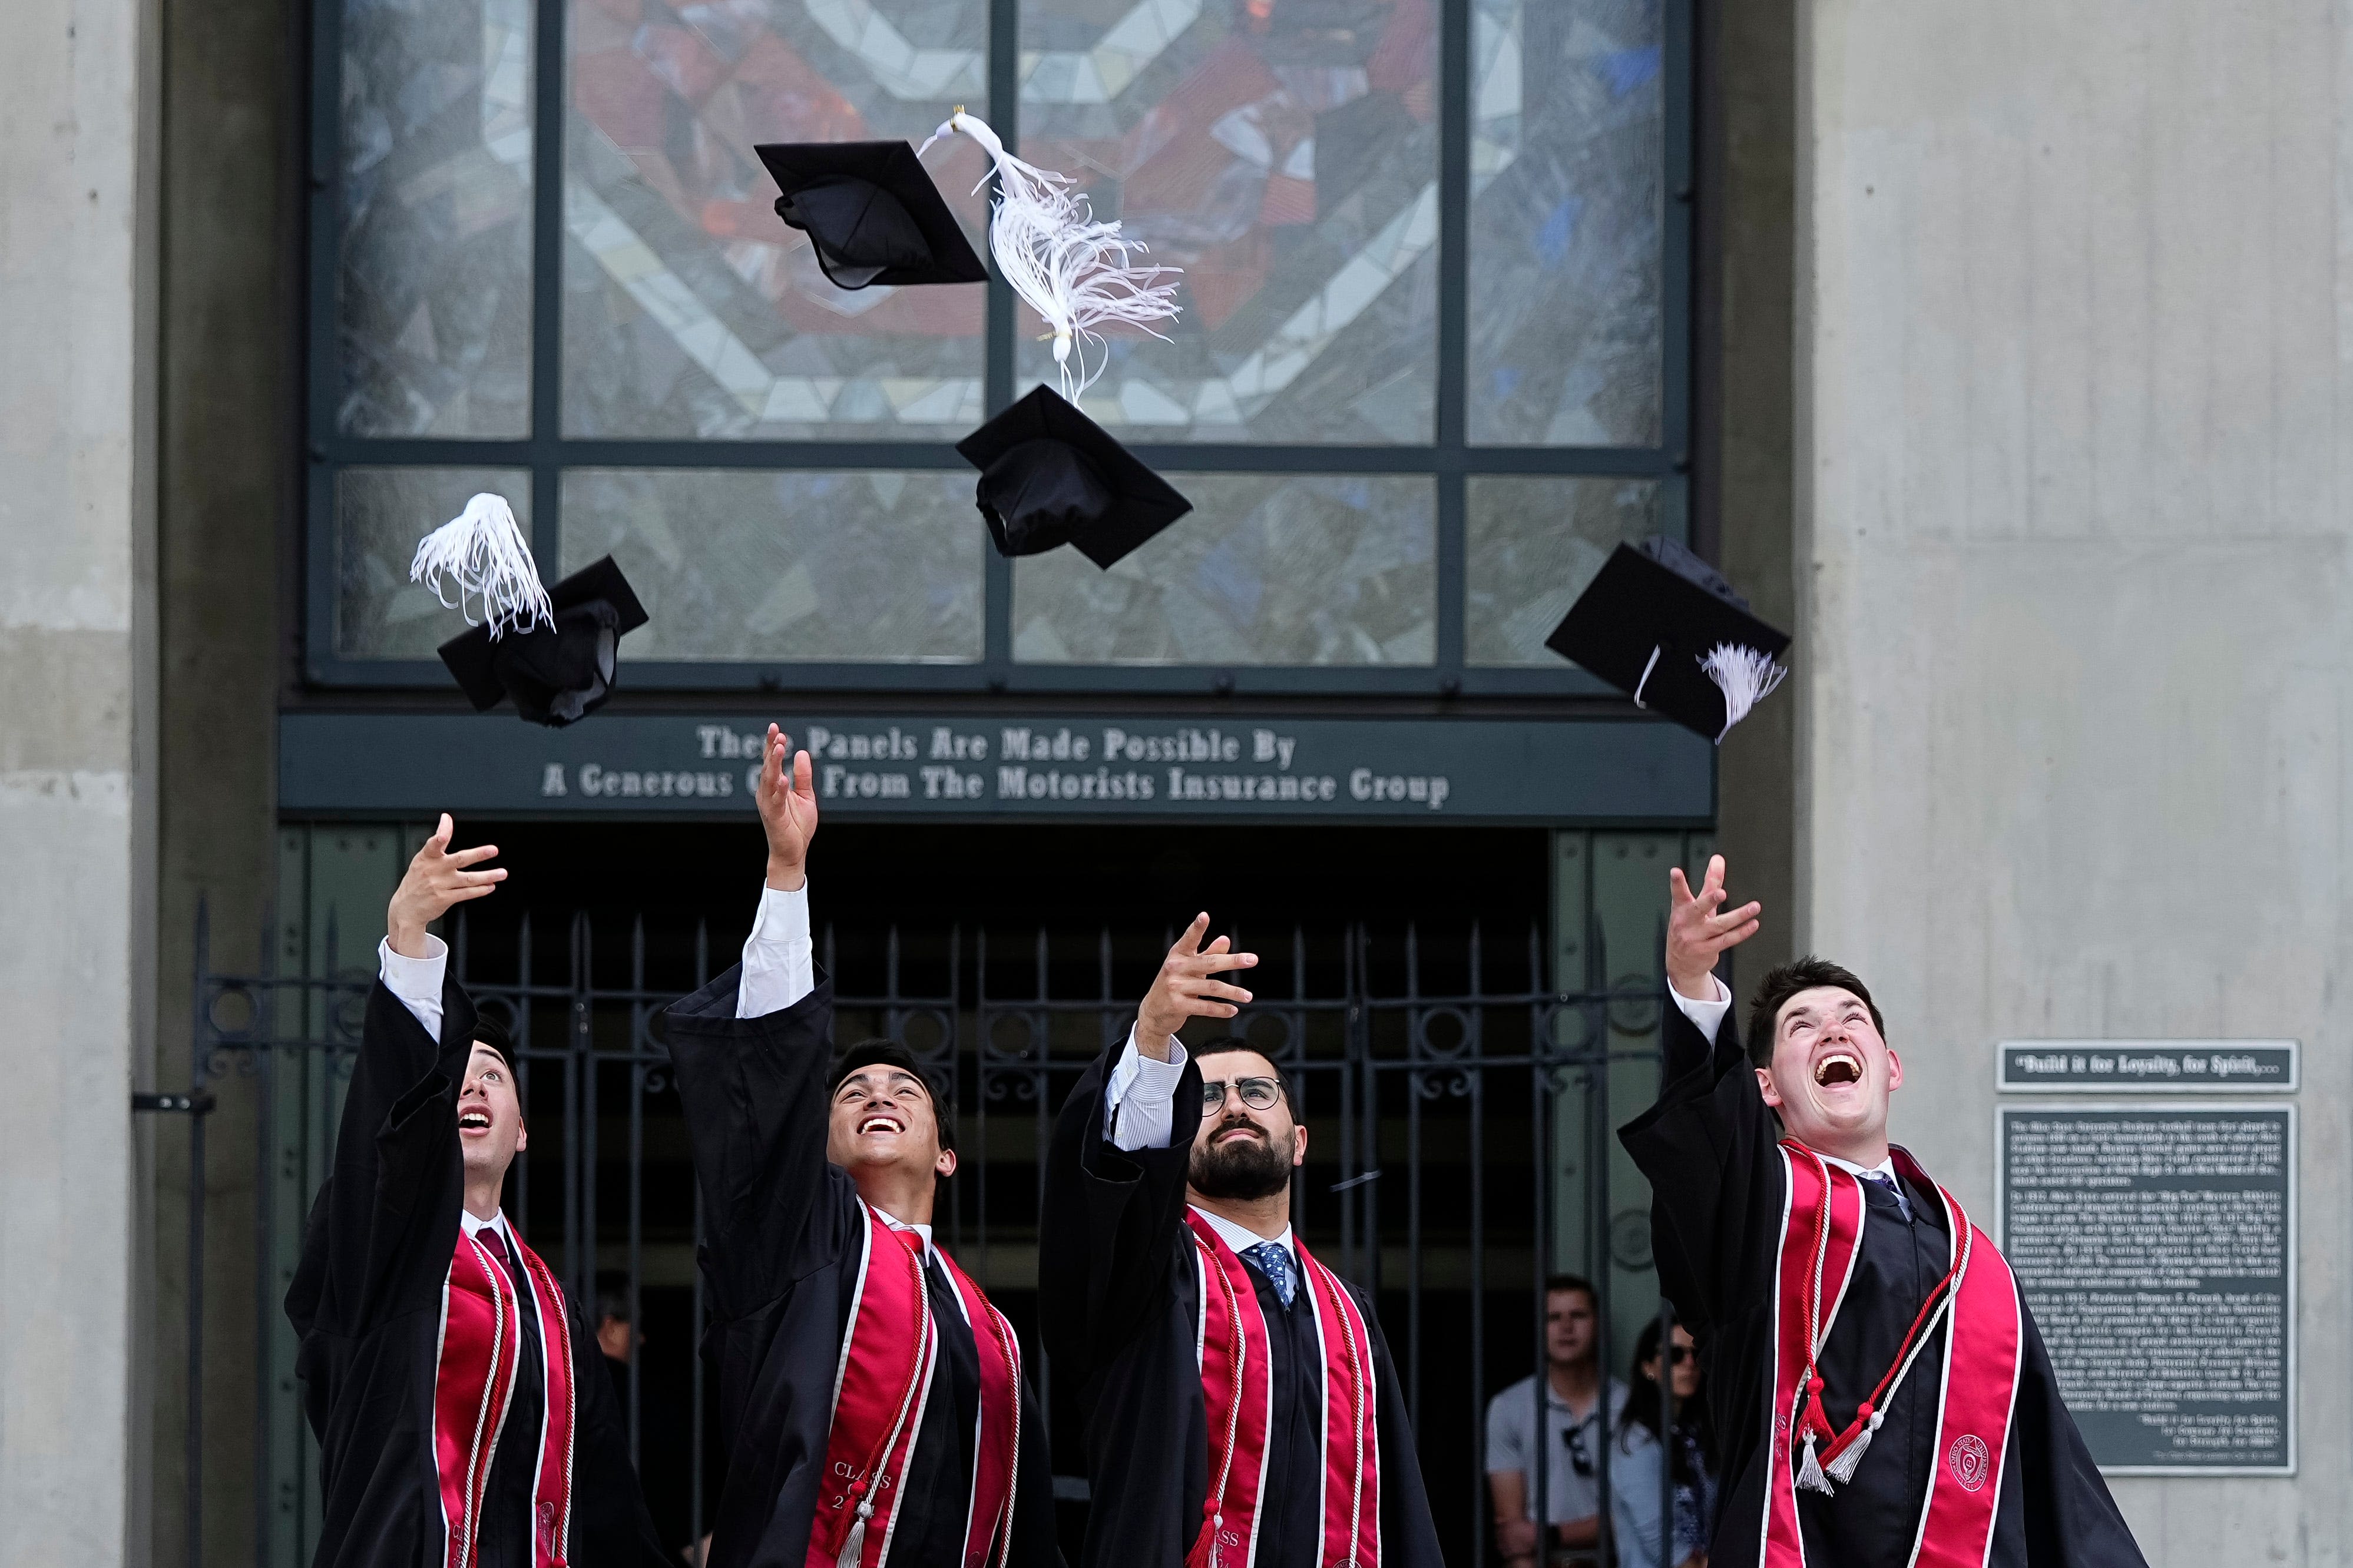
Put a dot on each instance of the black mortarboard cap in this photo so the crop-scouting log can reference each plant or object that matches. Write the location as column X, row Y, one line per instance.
column 1659, row 623
column 890, row 1053
column 872, row 212
column 1050, row 475
column 560, row 673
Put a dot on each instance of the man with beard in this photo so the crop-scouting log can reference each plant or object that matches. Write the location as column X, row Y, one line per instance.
column 1878, row 1387
column 463, row 1413
column 1240, row 1408
column 871, row 1400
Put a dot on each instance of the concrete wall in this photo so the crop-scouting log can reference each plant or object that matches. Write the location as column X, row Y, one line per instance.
column 231, row 100
column 2074, row 311
column 77, row 770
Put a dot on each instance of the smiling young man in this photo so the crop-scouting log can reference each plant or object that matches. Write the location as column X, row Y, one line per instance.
column 873, row 1401
column 1879, row 1391
column 1240, row 1408
column 463, row 1413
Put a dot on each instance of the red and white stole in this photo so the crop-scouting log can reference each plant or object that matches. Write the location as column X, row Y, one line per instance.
column 479, row 1354
column 1822, row 1217
column 1236, row 1355
column 882, row 1383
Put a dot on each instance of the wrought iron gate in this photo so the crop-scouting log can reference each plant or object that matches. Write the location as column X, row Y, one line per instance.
column 1461, row 1112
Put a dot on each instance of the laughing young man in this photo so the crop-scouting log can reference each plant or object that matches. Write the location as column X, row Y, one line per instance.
column 1241, row 1409
column 872, row 1401
column 1878, row 1387
column 463, row 1413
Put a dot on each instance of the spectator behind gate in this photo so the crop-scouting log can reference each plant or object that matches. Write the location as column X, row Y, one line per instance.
column 1573, row 1429
column 1635, row 1490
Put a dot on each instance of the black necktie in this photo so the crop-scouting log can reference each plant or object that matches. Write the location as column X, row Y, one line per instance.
column 1888, row 1185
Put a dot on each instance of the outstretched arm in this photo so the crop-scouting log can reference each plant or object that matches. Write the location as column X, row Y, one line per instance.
column 779, row 967
column 1707, row 1146
column 1116, row 1171
column 751, row 1049
column 398, row 1180
column 1137, row 1110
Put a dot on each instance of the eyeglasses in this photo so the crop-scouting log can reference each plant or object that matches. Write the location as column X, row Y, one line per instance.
column 1678, row 1354
column 1258, row 1093
column 1578, row 1459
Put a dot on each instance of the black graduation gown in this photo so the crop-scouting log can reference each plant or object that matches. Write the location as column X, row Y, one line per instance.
column 1119, row 1308
column 1708, row 1147
column 781, row 1230
column 367, row 1301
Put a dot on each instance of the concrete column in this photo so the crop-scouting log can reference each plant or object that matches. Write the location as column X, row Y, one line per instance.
column 2074, row 425
column 77, row 627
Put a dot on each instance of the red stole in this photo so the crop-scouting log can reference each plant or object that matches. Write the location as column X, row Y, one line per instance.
column 1822, row 1218
column 1236, row 1352
column 478, row 1355
column 881, row 1386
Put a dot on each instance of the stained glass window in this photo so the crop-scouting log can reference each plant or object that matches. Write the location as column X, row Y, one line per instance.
column 1427, row 372
column 790, row 566
column 435, row 288
column 1267, row 569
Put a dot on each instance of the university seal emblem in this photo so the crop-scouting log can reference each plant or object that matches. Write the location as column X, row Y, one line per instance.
column 1969, row 1461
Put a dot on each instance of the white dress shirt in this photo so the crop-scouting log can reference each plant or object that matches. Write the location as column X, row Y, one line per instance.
column 779, row 968
column 1708, row 1018
column 416, row 981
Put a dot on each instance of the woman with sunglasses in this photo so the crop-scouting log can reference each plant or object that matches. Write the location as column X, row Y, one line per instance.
column 1676, row 1420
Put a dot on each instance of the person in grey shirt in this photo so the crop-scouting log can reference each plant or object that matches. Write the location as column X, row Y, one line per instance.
column 1574, row 1430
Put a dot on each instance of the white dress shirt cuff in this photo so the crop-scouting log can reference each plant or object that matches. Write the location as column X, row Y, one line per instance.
column 416, row 981
column 1707, row 1018
column 1139, row 1102
column 779, row 967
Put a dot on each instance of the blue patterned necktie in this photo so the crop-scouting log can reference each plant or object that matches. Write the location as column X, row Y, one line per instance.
column 1888, row 1185
column 1273, row 1260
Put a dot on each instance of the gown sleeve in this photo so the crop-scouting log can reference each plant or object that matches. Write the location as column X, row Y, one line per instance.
column 2072, row 1521
column 1707, row 1148
column 382, row 1229
column 753, row 1092
column 1407, row 1535
column 1110, row 1223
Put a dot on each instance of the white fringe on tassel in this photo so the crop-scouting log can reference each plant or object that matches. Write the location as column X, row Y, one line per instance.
column 854, row 1547
column 1841, row 1469
column 1073, row 271
column 1809, row 1473
column 484, row 554
column 1744, row 675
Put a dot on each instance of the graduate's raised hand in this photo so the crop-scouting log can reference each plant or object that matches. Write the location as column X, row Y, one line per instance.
column 1699, row 930
column 437, row 878
column 787, row 809
column 1186, row 987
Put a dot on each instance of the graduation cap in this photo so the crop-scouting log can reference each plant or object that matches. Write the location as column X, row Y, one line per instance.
column 1661, row 624
column 557, row 670
column 872, row 212
column 1050, row 475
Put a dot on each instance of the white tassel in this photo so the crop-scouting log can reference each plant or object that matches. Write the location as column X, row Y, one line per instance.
column 1809, row 1473
column 484, row 554
column 1073, row 271
column 1841, row 1469
column 854, row 1548
column 1744, row 675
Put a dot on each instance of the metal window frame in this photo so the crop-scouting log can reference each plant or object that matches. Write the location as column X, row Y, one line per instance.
column 1449, row 461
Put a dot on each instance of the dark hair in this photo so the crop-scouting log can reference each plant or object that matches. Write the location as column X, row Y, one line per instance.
column 1780, row 985
column 879, row 1052
column 1645, row 1408
column 489, row 1031
column 612, row 1295
column 1574, row 1282
column 1225, row 1045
